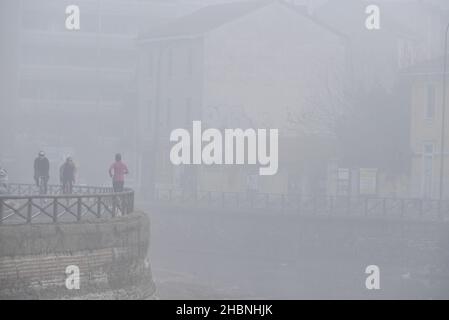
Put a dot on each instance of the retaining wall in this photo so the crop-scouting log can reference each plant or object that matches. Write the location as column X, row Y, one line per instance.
column 112, row 256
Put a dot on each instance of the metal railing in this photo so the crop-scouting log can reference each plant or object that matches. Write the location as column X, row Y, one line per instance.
column 24, row 204
column 314, row 205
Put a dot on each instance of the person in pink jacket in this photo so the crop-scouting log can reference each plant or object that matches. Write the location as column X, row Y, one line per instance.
column 117, row 172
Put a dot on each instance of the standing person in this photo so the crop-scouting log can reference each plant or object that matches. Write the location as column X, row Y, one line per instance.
column 42, row 171
column 3, row 180
column 117, row 172
column 67, row 173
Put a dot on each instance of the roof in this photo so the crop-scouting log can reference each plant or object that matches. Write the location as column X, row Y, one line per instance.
column 213, row 16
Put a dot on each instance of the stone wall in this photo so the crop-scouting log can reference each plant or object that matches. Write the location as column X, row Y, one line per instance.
column 112, row 256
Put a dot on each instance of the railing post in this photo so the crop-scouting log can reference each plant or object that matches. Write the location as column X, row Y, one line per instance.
column 267, row 199
column 127, row 204
column 55, row 210
column 121, row 205
column 132, row 201
column 114, row 205
column 29, row 210
column 98, row 207
column 348, row 206
column 78, row 209
column 402, row 208
column 1, row 211
column 252, row 196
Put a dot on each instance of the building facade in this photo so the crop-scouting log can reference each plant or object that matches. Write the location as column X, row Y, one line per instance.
column 238, row 65
column 426, row 84
column 75, row 87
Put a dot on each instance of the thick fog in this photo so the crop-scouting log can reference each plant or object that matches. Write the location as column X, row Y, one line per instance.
column 282, row 149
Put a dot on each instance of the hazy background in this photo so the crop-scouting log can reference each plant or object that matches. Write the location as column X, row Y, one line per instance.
column 359, row 117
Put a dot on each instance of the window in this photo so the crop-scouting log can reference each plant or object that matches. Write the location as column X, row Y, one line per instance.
column 405, row 53
column 168, row 114
column 427, row 173
column 150, row 65
column 343, row 181
column 36, row 21
column 428, row 149
column 188, row 110
column 89, row 22
column 189, row 63
column 430, row 107
column 150, row 114
column 170, row 62
column 118, row 24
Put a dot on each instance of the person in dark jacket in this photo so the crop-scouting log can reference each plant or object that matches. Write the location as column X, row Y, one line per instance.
column 67, row 173
column 42, row 170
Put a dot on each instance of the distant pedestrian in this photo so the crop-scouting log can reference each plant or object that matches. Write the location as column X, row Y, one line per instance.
column 117, row 172
column 67, row 173
column 42, row 172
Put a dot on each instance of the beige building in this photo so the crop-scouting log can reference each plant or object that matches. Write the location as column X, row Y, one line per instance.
column 426, row 82
column 239, row 65
column 410, row 32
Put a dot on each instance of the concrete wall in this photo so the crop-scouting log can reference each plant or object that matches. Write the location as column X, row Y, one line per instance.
column 112, row 256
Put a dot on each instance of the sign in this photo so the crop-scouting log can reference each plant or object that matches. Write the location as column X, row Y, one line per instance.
column 368, row 181
column 343, row 175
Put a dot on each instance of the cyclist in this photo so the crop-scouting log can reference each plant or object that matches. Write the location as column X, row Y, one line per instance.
column 117, row 172
column 42, row 171
column 67, row 173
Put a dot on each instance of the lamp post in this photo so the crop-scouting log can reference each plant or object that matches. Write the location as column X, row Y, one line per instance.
column 443, row 116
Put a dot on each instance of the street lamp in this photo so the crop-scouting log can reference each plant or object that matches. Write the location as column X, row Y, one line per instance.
column 443, row 116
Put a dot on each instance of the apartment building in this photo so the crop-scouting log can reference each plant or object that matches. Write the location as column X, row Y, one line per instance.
column 82, row 77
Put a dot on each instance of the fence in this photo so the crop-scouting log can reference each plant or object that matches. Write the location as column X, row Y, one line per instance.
column 314, row 205
column 24, row 204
